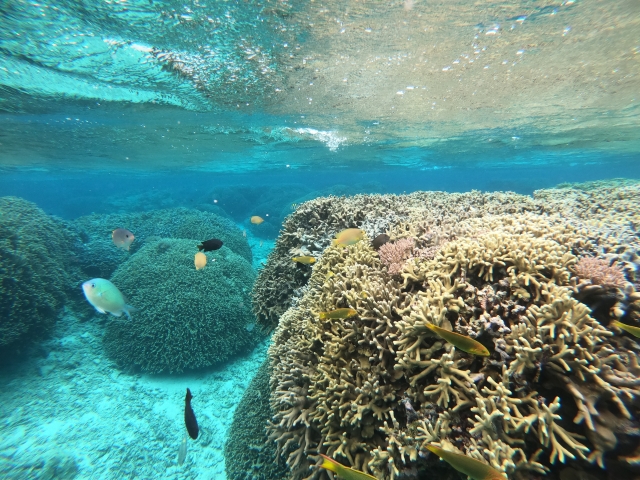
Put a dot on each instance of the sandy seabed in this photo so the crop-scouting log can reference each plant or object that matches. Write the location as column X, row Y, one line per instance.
column 72, row 410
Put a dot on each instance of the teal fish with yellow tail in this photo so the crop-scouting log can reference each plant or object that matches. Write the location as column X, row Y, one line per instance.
column 343, row 472
column 348, row 237
column 472, row 468
column 635, row 331
column 305, row 259
column 338, row 313
column 462, row 342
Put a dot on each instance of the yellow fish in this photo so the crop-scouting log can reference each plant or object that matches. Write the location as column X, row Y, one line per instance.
column 343, row 472
column 122, row 238
column 200, row 260
column 472, row 468
column 329, row 275
column 348, row 237
column 464, row 343
column 339, row 313
column 306, row 259
column 105, row 297
column 635, row 331
column 256, row 220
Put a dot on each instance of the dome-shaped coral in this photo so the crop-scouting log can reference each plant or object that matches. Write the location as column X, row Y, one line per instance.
column 102, row 257
column 34, row 271
column 185, row 318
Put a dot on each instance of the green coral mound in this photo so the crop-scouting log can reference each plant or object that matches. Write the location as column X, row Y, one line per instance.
column 185, row 318
column 102, row 257
column 247, row 453
column 35, row 271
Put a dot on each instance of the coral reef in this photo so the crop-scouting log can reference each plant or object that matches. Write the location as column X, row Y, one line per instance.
column 37, row 272
column 375, row 389
column 247, row 453
column 101, row 257
column 185, row 318
column 310, row 229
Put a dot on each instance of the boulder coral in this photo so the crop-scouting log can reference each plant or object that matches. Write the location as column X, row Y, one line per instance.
column 37, row 273
column 185, row 318
column 247, row 454
column 373, row 391
column 101, row 257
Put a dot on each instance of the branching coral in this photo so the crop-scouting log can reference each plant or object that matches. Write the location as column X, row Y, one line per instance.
column 341, row 387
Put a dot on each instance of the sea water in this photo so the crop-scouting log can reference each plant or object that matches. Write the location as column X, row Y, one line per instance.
column 244, row 108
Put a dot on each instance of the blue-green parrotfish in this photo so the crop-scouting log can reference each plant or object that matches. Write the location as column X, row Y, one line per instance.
column 105, row 297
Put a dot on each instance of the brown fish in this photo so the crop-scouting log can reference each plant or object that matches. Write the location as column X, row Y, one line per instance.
column 189, row 417
column 380, row 240
column 210, row 245
column 122, row 238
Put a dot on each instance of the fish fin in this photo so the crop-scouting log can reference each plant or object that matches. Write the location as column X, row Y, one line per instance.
column 126, row 247
column 329, row 463
column 128, row 309
column 100, row 310
column 200, row 247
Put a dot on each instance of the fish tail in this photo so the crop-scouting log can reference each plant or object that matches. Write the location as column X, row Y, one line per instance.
column 329, row 463
column 200, row 247
column 128, row 309
column 322, row 316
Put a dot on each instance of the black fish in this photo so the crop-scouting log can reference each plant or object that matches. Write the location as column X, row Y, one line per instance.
column 380, row 240
column 190, row 417
column 209, row 245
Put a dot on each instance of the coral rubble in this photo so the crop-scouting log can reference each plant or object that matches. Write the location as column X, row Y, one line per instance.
column 509, row 271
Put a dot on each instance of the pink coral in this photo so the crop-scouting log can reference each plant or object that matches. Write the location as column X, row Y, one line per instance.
column 394, row 255
column 600, row 272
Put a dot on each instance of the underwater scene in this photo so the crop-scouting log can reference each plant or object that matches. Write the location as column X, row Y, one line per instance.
column 320, row 239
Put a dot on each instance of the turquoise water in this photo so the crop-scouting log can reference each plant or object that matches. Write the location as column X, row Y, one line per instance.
column 179, row 121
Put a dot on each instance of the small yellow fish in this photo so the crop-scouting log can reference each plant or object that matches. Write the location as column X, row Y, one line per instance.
column 464, row 343
column 472, row 468
column 364, row 295
column 635, row 331
column 256, row 220
column 343, row 472
column 306, row 259
column 348, row 237
column 338, row 313
column 122, row 238
column 200, row 260
column 329, row 275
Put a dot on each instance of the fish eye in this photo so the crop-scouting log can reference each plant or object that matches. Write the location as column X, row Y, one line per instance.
column 93, row 285
column 127, row 235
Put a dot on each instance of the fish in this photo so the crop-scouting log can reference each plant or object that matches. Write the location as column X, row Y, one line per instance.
column 189, row 417
column 380, row 240
column 635, row 331
column 348, row 237
column 339, row 313
column 474, row 469
column 329, row 275
column 210, row 245
column 182, row 451
column 343, row 472
column 122, row 238
column 105, row 297
column 256, row 220
column 462, row 342
column 293, row 206
column 200, row 260
column 244, row 233
column 306, row 259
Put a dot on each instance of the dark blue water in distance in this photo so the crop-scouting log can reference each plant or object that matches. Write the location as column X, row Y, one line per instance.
column 181, row 120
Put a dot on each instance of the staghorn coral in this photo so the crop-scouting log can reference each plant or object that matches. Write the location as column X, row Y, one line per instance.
column 185, row 318
column 558, row 388
column 394, row 255
column 599, row 272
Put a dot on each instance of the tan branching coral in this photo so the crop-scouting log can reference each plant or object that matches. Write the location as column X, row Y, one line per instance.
column 375, row 389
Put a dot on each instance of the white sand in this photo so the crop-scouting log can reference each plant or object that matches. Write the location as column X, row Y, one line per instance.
column 75, row 405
